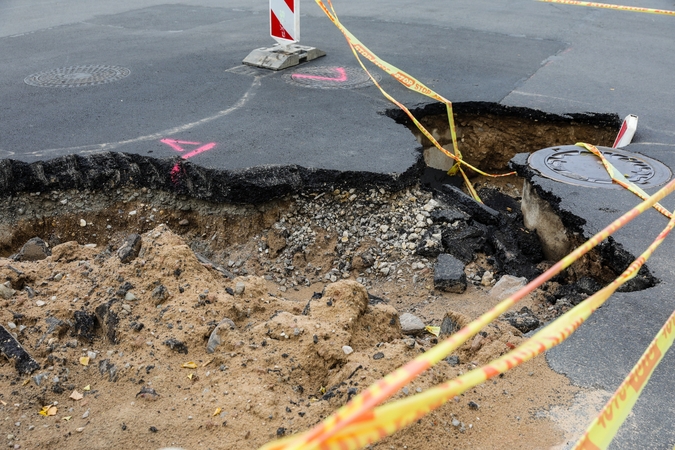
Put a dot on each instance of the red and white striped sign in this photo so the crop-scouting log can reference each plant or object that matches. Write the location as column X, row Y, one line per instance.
column 285, row 21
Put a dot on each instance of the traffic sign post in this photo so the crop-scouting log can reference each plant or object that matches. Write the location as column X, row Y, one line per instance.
column 285, row 21
column 285, row 29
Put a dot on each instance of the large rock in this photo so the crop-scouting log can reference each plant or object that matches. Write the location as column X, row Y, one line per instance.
column 34, row 250
column 507, row 285
column 449, row 274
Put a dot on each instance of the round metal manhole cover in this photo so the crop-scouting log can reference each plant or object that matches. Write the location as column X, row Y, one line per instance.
column 77, row 76
column 575, row 165
column 330, row 77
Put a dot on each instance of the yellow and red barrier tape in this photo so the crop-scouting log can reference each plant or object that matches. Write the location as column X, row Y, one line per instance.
column 394, row 416
column 614, row 7
column 413, row 84
column 357, row 423
column 360, row 422
column 601, row 431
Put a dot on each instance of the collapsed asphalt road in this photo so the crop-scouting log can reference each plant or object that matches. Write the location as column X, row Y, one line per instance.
column 186, row 90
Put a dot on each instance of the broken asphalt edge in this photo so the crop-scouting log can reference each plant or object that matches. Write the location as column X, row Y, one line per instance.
column 111, row 170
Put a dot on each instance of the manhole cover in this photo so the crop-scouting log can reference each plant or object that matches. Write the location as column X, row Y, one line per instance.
column 330, row 77
column 574, row 165
column 77, row 76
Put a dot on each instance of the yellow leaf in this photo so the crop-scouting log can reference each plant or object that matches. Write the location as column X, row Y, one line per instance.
column 208, row 362
column 189, row 365
column 217, row 411
column 433, row 330
column 25, row 382
column 191, row 375
column 87, row 388
column 84, row 360
column 322, row 390
column 49, row 410
column 76, row 395
column 67, row 418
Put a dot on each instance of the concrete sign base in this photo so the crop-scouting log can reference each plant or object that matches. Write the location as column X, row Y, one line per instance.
column 281, row 57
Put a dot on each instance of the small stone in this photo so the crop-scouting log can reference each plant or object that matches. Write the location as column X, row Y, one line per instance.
column 176, row 345
column 86, row 414
column 148, row 393
column 218, row 335
column 473, row 405
column 239, row 288
column 80, row 429
column 378, row 355
column 184, row 223
column 40, row 303
column 130, row 297
column 130, row 248
column 452, row 360
column 347, row 349
column 456, row 423
column 411, row 324
column 487, row 278
column 160, row 294
column 11, row 325
column 133, row 213
column 6, row 291
column 83, row 223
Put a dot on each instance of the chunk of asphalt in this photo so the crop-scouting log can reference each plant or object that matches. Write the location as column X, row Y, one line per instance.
column 12, row 349
column 453, row 196
column 449, row 274
column 130, row 248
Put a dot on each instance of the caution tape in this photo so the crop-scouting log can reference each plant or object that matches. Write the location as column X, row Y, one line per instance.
column 413, row 84
column 360, row 412
column 615, row 7
column 360, row 422
column 601, row 431
column 620, row 179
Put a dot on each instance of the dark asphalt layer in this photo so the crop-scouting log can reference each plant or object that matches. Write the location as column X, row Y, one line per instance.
column 187, row 84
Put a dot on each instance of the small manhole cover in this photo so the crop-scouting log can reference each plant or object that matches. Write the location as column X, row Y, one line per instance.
column 330, row 77
column 77, row 76
column 574, row 165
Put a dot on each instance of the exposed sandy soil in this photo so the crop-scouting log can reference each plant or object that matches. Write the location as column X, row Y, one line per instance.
column 278, row 372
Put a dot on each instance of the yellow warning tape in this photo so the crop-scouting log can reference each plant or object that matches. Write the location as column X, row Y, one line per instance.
column 393, row 416
column 615, row 7
column 357, row 423
column 601, row 431
column 411, row 83
column 360, row 422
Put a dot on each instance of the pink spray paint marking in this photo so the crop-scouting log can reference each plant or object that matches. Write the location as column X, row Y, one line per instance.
column 177, row 145
column 340, row 79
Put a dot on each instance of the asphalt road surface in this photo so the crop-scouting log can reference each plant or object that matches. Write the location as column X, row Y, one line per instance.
column 176, row 86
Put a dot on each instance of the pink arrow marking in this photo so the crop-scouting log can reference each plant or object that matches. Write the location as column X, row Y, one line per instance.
column 340, row 79
column 176, row 145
